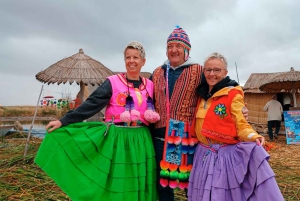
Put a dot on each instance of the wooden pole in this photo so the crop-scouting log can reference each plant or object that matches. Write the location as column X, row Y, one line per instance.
column 237, row 74
column 28, row 137
column 294, row 98
column 82, row 88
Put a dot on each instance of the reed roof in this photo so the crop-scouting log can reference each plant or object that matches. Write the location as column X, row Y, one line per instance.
column 287, row 81
column 282, row 81
column 255, row 81
column 77, row 68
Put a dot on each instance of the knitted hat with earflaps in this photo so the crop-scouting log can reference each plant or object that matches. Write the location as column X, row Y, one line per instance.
column 180, row 36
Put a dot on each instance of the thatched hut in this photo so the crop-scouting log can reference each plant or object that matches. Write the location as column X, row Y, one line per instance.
column 257, row 99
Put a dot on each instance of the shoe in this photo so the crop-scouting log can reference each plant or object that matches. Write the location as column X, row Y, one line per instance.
column 271, row 140
column 275, row 136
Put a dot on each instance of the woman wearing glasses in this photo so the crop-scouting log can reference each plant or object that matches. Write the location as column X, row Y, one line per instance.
column 230, row 162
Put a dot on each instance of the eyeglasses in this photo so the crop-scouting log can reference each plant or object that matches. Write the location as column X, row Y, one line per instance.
column 216, row 71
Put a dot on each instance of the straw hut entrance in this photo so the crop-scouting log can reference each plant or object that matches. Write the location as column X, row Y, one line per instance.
column 257, row 99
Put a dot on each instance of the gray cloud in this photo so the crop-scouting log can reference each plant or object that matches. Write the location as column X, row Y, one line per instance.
column 260, row 36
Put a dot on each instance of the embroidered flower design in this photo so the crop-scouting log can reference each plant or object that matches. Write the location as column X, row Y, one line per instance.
column 121, row 99
column 173, row 158
column 220, row 110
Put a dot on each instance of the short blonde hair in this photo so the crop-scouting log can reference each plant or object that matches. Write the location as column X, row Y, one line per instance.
column 216, row 55
column 138, row 46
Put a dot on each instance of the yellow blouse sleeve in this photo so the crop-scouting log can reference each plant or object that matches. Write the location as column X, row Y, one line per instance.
column 244, row 130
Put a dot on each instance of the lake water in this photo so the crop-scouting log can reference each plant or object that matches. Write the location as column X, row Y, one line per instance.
column 38, row 129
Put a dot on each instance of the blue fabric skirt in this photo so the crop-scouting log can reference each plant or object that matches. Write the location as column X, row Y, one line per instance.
column 237, row 172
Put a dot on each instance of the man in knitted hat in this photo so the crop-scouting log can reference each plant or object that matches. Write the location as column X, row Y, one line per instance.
column 180, row 76
column 175, row 84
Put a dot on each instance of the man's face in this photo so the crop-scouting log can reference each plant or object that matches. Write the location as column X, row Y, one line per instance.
column 175, row 53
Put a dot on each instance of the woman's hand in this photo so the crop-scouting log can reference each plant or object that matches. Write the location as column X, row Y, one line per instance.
column 245, row 111
column 260, row 141
column 53, row 125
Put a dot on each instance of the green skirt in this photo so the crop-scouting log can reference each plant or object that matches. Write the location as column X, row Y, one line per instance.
column 90, row 161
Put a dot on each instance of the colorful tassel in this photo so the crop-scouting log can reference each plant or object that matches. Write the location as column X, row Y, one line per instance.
column 134, row 115
column 125, row 116
column 150, row 115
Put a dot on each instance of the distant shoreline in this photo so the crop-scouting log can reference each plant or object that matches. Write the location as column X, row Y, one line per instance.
column 27, row 118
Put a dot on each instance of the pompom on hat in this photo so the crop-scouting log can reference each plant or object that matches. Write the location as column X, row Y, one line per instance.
column 179, row 35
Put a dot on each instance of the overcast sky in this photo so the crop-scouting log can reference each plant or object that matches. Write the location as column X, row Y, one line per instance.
column 260, row 36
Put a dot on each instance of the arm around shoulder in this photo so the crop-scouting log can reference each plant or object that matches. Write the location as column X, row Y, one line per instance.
column 245, row 131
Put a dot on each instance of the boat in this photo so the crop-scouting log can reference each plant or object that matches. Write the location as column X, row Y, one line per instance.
column 5, row 129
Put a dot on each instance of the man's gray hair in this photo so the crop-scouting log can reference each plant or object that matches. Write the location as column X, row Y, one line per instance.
column 138, row 46
column 216, row 55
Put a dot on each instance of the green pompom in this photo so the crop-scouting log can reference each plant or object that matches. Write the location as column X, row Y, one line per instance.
column 164, row 174
column 174, row 175
column 182, row 176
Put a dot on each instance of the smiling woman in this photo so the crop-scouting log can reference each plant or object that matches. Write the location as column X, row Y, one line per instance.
column 134, row 61
column 114, row 160
column 230, row 162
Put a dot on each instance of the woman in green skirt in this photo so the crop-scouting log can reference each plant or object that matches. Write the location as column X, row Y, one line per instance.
column 107, row 161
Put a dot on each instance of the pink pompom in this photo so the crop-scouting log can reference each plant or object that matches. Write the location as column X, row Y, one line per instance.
column 135, row 115
column 164, row 182
column 173, row 184
column 156, row 117
column 125, row 117
column 151, row 116
column 182, row 185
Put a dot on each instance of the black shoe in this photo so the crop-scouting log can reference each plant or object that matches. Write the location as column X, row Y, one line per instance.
column 275, row 136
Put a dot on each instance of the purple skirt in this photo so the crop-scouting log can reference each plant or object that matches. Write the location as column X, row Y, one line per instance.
column 233, row 172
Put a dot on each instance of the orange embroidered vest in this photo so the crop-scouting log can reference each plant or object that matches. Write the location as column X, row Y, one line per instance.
column 218, row 123
column 183, row 99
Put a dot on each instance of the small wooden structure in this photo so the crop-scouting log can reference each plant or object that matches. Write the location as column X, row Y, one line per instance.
column 288, row 81
column 257, row 99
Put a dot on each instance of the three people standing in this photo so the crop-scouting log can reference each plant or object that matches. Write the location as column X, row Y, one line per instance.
column 117, row 162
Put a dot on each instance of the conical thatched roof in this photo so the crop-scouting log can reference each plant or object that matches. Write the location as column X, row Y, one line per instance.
column 255, row 81
column 286, row 81
column 79, row 68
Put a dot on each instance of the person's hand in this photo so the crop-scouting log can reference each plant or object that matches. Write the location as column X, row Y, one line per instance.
column 260, row 141
column 53, row 125
column 245, row 111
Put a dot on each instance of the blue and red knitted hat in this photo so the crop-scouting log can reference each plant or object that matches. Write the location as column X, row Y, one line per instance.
column 179, row 35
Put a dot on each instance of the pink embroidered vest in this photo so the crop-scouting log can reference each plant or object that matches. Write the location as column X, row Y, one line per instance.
column 183, row 100
column 120, row 88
